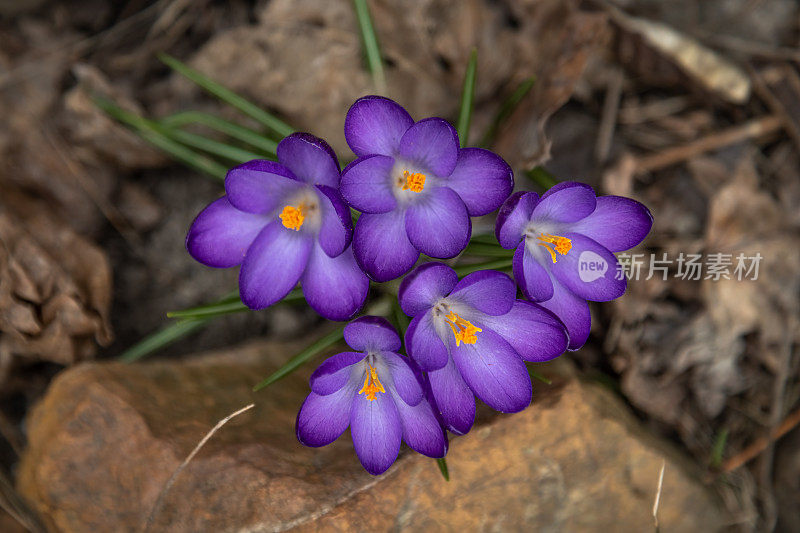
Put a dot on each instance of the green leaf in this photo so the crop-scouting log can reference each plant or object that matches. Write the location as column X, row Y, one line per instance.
column 297, row 361
column 500, row 264
column 227, row 305
column 487, row 250
column 236, row 131
column 164, row 337
column 484, row 238
column 371, row 48
column 228, row 96
column 506, row 109
column 536, row 375
column 541, row 177
column 226, row 151
column 467, row 98
column 442, row 463
column 718, row 451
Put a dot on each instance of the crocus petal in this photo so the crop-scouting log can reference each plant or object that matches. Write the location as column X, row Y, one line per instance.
column 488, row 291
column 310, row 159
column 334, row 372
column 323, row 418
column 618, row 223
column 403, row 378
column 260, row 186
column 482, row 179
column 375, row 125
column 589, row 270
column 221, row 234
column 432, row 144
column 337, row 224
column 494, row 371
column 533, row 331
column 382, row 247
column 573, row 312
column 513, row 217
column 533, row 279
column 424, row 343
column 377, row 431
column 366, row 184
column 438, row 225
column 421, row 429
column 371, row 333
column 273, row 265
column 455, row 401
column 334, row 286
column 566, row 202
column 426, row 284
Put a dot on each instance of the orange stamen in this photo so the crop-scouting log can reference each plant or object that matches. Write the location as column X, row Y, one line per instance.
column 463, row 330
column 293, row 217
column 372, row 384
column 555, row 243
column 414, row 182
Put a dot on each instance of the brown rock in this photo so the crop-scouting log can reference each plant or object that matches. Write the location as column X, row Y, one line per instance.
column 107, row 437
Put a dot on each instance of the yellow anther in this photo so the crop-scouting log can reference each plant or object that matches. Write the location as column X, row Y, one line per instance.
column 413, row 182
column 555, row 243
column 372, row 384
column 293, row 217
column 463, row 330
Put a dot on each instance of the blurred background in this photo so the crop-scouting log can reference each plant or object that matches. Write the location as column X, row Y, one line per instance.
column 690, row 106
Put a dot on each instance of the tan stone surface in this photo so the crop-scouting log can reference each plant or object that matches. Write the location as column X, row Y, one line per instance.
column 107, row 436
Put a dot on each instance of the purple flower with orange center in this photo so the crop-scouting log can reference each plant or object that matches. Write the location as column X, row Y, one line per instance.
column 564, row 248
column 415, row 187
column 284, row 222
column 472, row 338
column 375, row 391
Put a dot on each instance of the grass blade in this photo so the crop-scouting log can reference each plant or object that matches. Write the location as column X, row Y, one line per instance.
column 297, row 361
column 718, row 451
column 541, row 377
column 371, row 48
column 162, row 338
column 236, row 131
column 506, row 109
column 442, row 463
column 467, row 98
column 541, row 177
column 487, row 250
column 500, row 264
column 228, row 96
column 226, row 305
column 226, row 151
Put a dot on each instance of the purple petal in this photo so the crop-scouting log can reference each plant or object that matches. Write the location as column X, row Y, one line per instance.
column 336, row 230
column 403, row 378
column 334, row 286
column 533, row 279
column 260, row 186
column 426, row 284
column 371, row 334
column 310, row 159
column 382, row 247
column 221, row 234
column 438, row 225
column 566, row 202
column 482, row 179
column 323, row 418
column 424, row 344
column 367, row 186
column 573, row 312
column 488, row 291
column 375, row 125
column 377, row 431
column 494, row 372
column 432, row 144
column 273, row 265
column 589, row 270
column 533, row 331
column 421, row 429
column 618, row 223
column 334, row 372
column 514, row 216
column 455, row 401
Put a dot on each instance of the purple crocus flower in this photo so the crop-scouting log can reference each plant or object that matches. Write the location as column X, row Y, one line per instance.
column 472, row 336
column 285, row 222
column 415, row 187
column 564, row 243
column 375, row 391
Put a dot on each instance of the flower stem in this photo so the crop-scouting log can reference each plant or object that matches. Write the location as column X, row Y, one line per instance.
column 467, row 98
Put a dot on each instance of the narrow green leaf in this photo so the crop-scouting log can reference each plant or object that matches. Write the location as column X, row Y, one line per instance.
column 229, row 303
column 442, row 463
column 236, row 131
column 163, row 337
column 506, row 109
column 536, row 375
column 226, row 151
column 718, row 451
column 487, row 250
column 297, row 361
column 467, row 98
column 500, row 264
column 228, row 96
column 484, row 238
column 371, row 48
column 541, row 177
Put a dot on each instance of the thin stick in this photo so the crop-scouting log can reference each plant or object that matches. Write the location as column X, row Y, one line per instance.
column 171, row 480
column 608, row 119
column 658, row 492
column 752, row 451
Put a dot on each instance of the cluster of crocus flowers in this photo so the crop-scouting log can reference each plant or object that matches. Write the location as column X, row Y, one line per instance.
column 289, row 222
